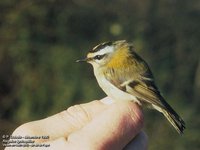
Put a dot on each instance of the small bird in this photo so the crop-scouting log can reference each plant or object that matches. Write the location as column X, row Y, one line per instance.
column 124, row 75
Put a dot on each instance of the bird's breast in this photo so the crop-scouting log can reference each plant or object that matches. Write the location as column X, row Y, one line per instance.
column 112, row 91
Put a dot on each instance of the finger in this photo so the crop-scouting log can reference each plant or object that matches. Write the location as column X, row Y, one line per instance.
column 138, row 143
column 62, row 124
column 112, row 129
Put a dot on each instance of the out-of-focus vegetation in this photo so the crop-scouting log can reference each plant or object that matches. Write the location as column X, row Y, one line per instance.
column 40, row 41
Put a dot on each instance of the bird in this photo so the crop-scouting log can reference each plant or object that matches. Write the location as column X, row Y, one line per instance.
column 124, row 75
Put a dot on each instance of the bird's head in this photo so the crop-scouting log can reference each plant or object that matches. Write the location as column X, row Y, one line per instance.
column 107, row 52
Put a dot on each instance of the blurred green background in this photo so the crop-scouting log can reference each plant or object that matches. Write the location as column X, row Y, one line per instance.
column 40, row 41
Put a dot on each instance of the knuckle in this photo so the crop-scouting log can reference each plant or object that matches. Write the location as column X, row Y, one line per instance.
column 79, row 114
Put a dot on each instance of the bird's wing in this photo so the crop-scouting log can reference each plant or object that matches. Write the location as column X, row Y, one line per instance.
column 143, row 87
column 145, row 91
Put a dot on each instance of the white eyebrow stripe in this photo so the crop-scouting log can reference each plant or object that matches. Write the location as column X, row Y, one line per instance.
column 107, row 49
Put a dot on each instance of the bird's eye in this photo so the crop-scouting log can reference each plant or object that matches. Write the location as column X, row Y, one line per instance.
column 98, row 57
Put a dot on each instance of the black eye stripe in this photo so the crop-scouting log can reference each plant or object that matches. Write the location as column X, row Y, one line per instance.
column 98, row 57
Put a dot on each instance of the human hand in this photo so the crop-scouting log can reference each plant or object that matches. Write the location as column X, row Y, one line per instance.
column 98, row 125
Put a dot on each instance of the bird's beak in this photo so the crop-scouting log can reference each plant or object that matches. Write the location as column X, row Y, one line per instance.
column 84, row 60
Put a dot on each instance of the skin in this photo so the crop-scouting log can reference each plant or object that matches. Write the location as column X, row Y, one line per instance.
column 92, row 126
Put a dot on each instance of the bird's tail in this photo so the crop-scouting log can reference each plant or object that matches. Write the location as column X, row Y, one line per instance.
column 175, row 120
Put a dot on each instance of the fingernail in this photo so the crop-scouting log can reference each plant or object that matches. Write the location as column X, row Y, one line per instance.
column 107, row 100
